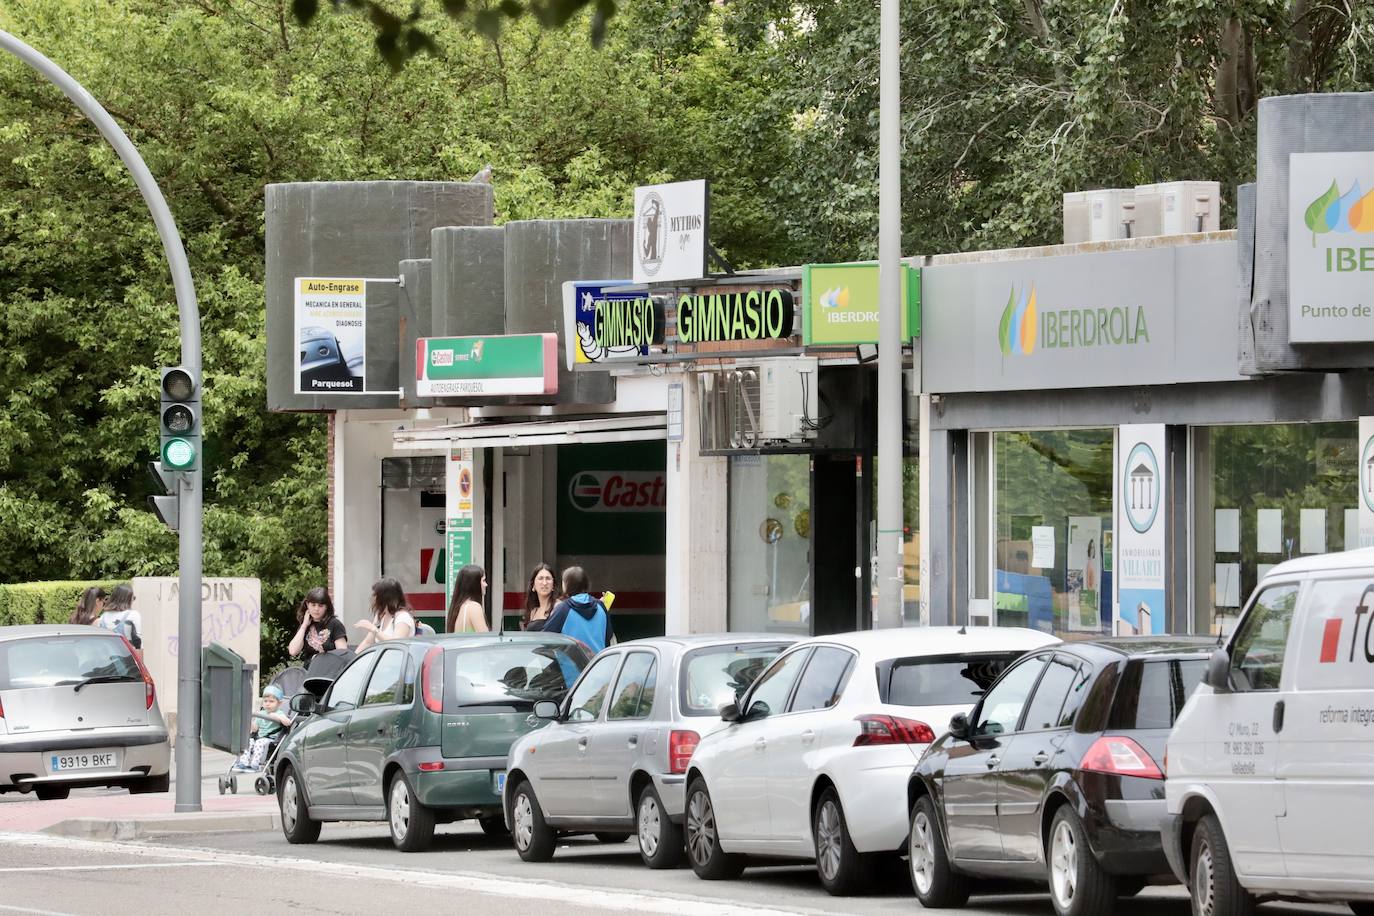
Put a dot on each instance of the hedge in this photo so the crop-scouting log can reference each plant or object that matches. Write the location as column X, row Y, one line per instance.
column 42, row 602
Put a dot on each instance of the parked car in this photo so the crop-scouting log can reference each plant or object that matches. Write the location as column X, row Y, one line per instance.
column 611, row 768
column 1055, row 776
column 416, row 732
column 1270, row 782
column 814, row 762
column 77, row 708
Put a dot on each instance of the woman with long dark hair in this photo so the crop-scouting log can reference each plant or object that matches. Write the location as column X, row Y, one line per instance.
column 89, row 606
column 539, row 597
column 120, row 616
column 320, row 630
column 391, row 617
column 466, row 613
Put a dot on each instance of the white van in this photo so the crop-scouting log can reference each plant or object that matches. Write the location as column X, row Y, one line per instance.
column 1270, row 767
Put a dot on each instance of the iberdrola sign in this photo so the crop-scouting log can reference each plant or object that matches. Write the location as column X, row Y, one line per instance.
column 1025, row 326
column 1330, row 247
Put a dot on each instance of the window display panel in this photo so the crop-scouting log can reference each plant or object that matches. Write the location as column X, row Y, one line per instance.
column 1265, row 494
column 770, row 543
column 1053, row 551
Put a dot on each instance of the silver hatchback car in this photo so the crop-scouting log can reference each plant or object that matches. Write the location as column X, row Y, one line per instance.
column 77, row 708
column 613, row 758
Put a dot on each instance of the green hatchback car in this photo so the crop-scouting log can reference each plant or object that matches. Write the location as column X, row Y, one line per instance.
column 416, row 732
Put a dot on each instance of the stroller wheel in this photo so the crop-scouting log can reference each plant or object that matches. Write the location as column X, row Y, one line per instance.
column 233, row 785
column 223, row 784
column 262, row 785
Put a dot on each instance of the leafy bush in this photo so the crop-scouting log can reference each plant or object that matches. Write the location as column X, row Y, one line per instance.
column 42, row 602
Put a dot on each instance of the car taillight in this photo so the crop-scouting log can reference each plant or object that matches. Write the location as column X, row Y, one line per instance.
column 431, row 766
column 1119, row 756
column 681, row 746
column 149, row 688
column 432, row 679
column 891, row 730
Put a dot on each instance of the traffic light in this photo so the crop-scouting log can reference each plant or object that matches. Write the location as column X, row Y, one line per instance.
column 165, row 505
column 180, row 425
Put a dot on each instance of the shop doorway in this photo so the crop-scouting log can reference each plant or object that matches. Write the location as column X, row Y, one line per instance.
column 840, row 571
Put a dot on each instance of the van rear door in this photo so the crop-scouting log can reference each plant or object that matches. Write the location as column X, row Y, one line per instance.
column 1326, row 745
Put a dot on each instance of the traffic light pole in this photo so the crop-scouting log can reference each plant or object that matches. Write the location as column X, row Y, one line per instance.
column 189, row 488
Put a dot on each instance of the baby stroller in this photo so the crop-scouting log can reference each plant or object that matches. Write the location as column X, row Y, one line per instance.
column 290, row 680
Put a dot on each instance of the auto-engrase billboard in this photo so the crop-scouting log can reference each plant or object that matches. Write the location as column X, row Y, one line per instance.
column 331, row 333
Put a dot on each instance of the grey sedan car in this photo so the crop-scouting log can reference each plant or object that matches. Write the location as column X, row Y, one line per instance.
column 77, row 708
column 613, row 759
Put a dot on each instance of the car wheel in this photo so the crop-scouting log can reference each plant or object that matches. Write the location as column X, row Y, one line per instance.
column 708, row 859
column 842, row 868
column 295, row 819
column 660, row 840
column 52, row 793
column 412, row 823
column 1212, row 877
column 937, row 885
column 493, row 826
column 151, row 785
column 1078, row 884
column 534, row 838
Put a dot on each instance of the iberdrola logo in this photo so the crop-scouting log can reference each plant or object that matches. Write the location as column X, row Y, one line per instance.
column 837, row 298
column 1017, row 331
column 1337, row 212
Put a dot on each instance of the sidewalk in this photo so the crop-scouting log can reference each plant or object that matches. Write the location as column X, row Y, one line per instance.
column 115, row 814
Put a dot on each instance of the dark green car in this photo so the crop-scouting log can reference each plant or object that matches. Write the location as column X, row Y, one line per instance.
column 416, row 732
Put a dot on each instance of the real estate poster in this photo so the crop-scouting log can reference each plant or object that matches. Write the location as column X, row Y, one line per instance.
column 1140, row 525
column 1083, row 580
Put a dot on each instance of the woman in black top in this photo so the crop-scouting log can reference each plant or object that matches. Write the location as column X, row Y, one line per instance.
column 320, row 631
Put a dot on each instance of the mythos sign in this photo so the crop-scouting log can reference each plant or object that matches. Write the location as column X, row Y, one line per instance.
column 1330, row 247
column 747, row 315
column 670, row 232
column 605, row 324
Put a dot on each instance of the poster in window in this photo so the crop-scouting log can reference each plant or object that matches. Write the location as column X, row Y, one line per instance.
column 1083, row 580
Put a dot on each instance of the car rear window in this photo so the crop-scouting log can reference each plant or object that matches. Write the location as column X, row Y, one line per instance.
column 49, row 661
column 509, row 676
column 1152, row 693
column 715, row 676
column 952, row 680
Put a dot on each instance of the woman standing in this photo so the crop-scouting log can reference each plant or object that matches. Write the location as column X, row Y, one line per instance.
column 391, row 617
column 466, row 613
column 89, row 607
column 320, row 631
column 538, row 598
column 120, row 616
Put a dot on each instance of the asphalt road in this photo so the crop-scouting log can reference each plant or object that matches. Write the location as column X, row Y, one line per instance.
column 354, row 870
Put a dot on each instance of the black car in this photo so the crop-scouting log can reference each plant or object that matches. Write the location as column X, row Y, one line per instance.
column 1056, row 776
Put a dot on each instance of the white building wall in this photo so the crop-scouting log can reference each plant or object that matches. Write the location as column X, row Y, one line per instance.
column 695, row 563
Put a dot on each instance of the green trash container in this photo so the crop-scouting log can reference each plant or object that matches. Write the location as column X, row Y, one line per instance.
column 228, row 685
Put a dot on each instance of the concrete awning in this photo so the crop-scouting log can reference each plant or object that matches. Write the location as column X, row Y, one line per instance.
column 488, row 434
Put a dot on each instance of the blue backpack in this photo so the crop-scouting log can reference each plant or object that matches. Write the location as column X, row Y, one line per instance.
column 591, row 633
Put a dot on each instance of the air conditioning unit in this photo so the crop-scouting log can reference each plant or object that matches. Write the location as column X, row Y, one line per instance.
column 1178, row 207
column 1108, row 210
column 1076, row 225
column 756, row 403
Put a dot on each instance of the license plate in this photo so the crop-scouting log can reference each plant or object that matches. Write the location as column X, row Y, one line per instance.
column 499, row 778
column 69, row 761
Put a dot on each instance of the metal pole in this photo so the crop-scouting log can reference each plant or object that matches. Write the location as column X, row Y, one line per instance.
column 888, row 612
column 189, row 510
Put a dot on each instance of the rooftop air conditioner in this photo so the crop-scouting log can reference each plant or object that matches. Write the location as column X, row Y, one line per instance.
column 1076, row 227
column 1178, row 207
column 1108, row 210
column 758, row 402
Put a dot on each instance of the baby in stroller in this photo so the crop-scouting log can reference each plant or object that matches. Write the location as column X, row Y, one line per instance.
column 269, row 725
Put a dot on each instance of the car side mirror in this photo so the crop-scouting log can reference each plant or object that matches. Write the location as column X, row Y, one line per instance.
column 546, row 709
column 958, row 726
column 1218, row 675
column 730, row 712
column 304, row 704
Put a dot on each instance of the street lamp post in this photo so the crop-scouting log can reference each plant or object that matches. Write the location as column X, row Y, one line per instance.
column 889, row 571
column 189, row 488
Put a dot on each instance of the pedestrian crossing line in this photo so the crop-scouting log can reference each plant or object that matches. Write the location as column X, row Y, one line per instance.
column 579, row 895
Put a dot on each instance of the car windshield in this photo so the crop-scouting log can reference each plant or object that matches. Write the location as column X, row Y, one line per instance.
column 716, row 676
column 51, row 661
column 510, row 676
column 940, row 681
column 1152, row 694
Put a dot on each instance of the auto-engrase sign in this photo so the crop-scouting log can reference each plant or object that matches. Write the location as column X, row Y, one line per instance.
column 670, row 232
column 331, row 333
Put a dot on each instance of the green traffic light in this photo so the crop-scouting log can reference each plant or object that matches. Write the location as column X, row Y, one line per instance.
column 178, row 454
